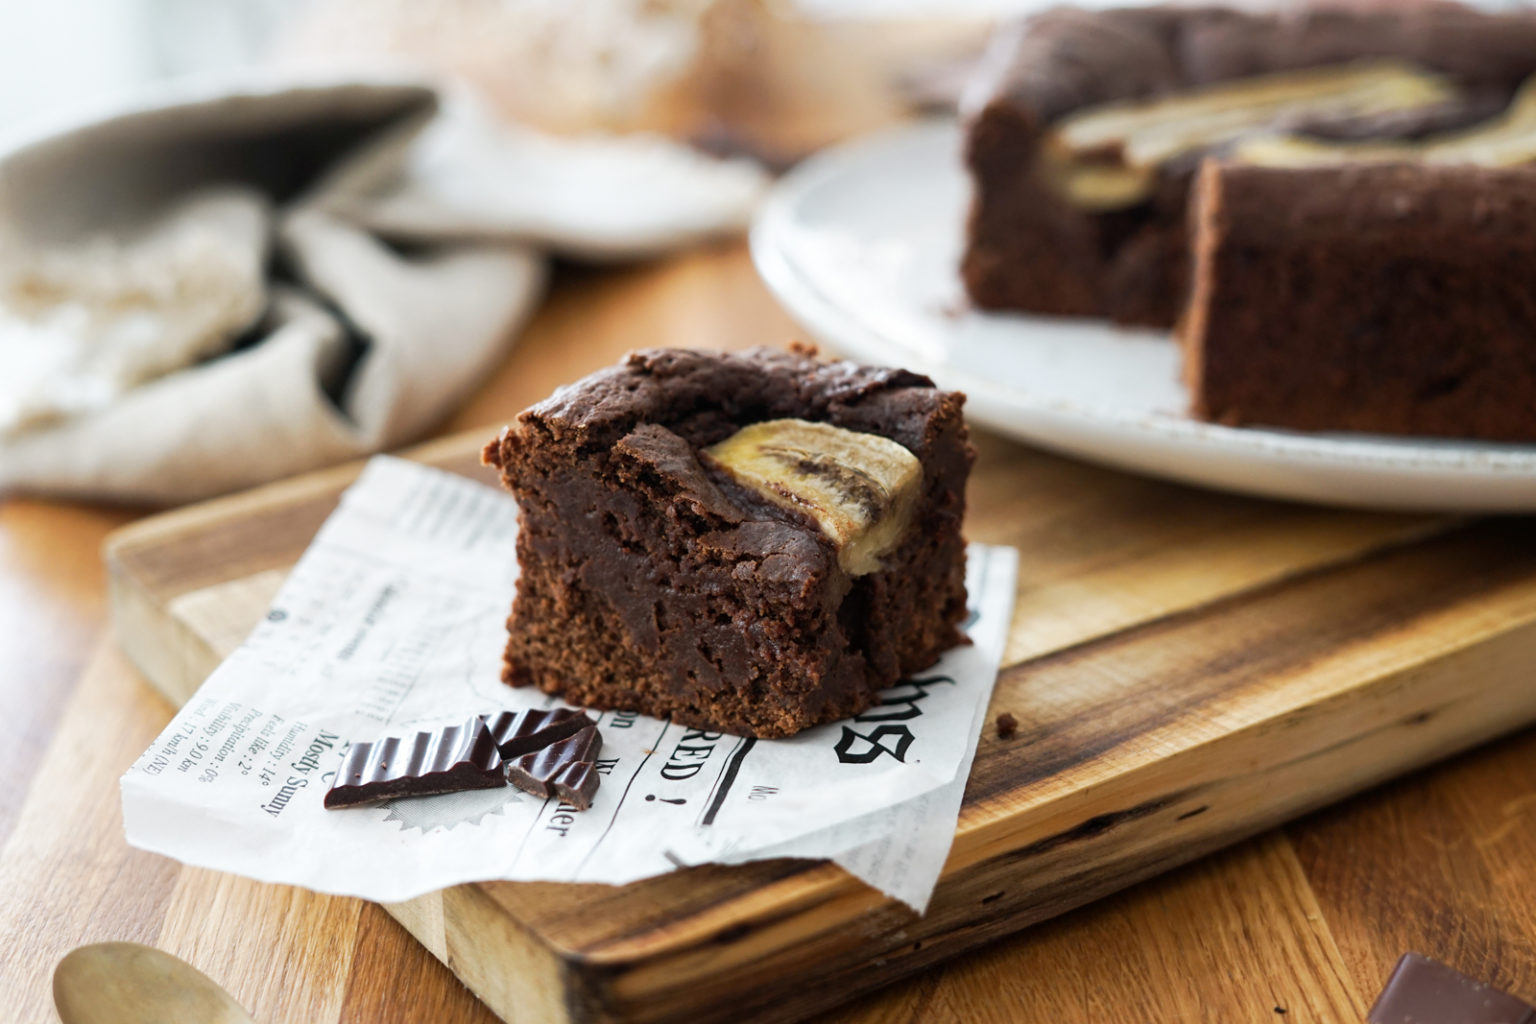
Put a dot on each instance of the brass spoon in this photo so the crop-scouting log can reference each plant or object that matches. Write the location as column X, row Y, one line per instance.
column 126, row 983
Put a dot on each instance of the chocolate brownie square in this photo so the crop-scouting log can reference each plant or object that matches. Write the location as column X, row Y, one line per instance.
column 1385, row 297
column 751, row 543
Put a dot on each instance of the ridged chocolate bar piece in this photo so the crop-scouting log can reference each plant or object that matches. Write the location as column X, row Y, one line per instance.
column 1424, row 991
column 450, row 760
column 522, row 732
column 565, row 769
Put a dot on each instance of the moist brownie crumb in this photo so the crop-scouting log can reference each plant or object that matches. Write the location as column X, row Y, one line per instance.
column 1392, row 298
column 1007, row 725
column 658, row 577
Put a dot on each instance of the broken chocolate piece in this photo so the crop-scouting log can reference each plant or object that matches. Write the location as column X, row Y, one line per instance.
column 1007, row 725
column 565, row 769
column 522, row 732
column 1424, row 991
column 449, row 760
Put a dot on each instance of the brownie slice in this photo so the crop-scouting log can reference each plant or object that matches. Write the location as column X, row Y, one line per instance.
column 1393, row 298
column 659, row 577
column 1036, row 244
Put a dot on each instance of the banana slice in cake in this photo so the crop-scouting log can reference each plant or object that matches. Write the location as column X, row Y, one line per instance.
column 1503, row 141
column 859, row 488
column 1149, row 132
column 1107, row 157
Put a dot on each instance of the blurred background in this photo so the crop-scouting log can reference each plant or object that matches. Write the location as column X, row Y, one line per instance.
column 564, row 64
column 146, row 311
column 590, row 60
column 342, row 266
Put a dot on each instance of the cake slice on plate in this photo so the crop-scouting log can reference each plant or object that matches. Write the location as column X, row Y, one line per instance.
column 1084, row 129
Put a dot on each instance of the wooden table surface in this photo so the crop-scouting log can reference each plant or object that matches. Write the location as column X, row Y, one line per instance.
column 1443, row 862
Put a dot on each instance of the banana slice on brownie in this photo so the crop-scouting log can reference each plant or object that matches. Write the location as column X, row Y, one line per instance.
column 859, row 488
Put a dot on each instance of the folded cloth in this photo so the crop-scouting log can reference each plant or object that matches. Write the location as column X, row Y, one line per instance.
column 92, row 321
column 204, row 294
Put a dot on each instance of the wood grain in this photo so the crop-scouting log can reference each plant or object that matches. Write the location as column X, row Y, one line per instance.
column 1274, row 670
column 1250, row 931
column 1225, row 935
column 420, row 987
column 1462, row 840
column 52, row 604
column 68, row 875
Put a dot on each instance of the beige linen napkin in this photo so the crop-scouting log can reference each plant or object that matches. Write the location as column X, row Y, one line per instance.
column 227, row 288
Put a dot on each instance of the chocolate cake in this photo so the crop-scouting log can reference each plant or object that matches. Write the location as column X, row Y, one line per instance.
column 1387, row 297
column 750, row 543
column 1085, row 129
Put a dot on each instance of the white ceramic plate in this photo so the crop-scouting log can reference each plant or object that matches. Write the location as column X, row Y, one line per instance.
column 861, row 245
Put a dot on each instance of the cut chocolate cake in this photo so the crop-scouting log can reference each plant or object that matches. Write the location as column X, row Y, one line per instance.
column 750, row 543
column 1085, row 129
column 1386, row 297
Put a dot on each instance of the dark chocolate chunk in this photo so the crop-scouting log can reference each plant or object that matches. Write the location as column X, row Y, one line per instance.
column 563, row 769
column 1424, row 991
column 1007, row 725
column 522, row 732
column 452, row 759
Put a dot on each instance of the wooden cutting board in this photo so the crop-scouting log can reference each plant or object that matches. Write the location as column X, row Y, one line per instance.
column 1187, row 669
